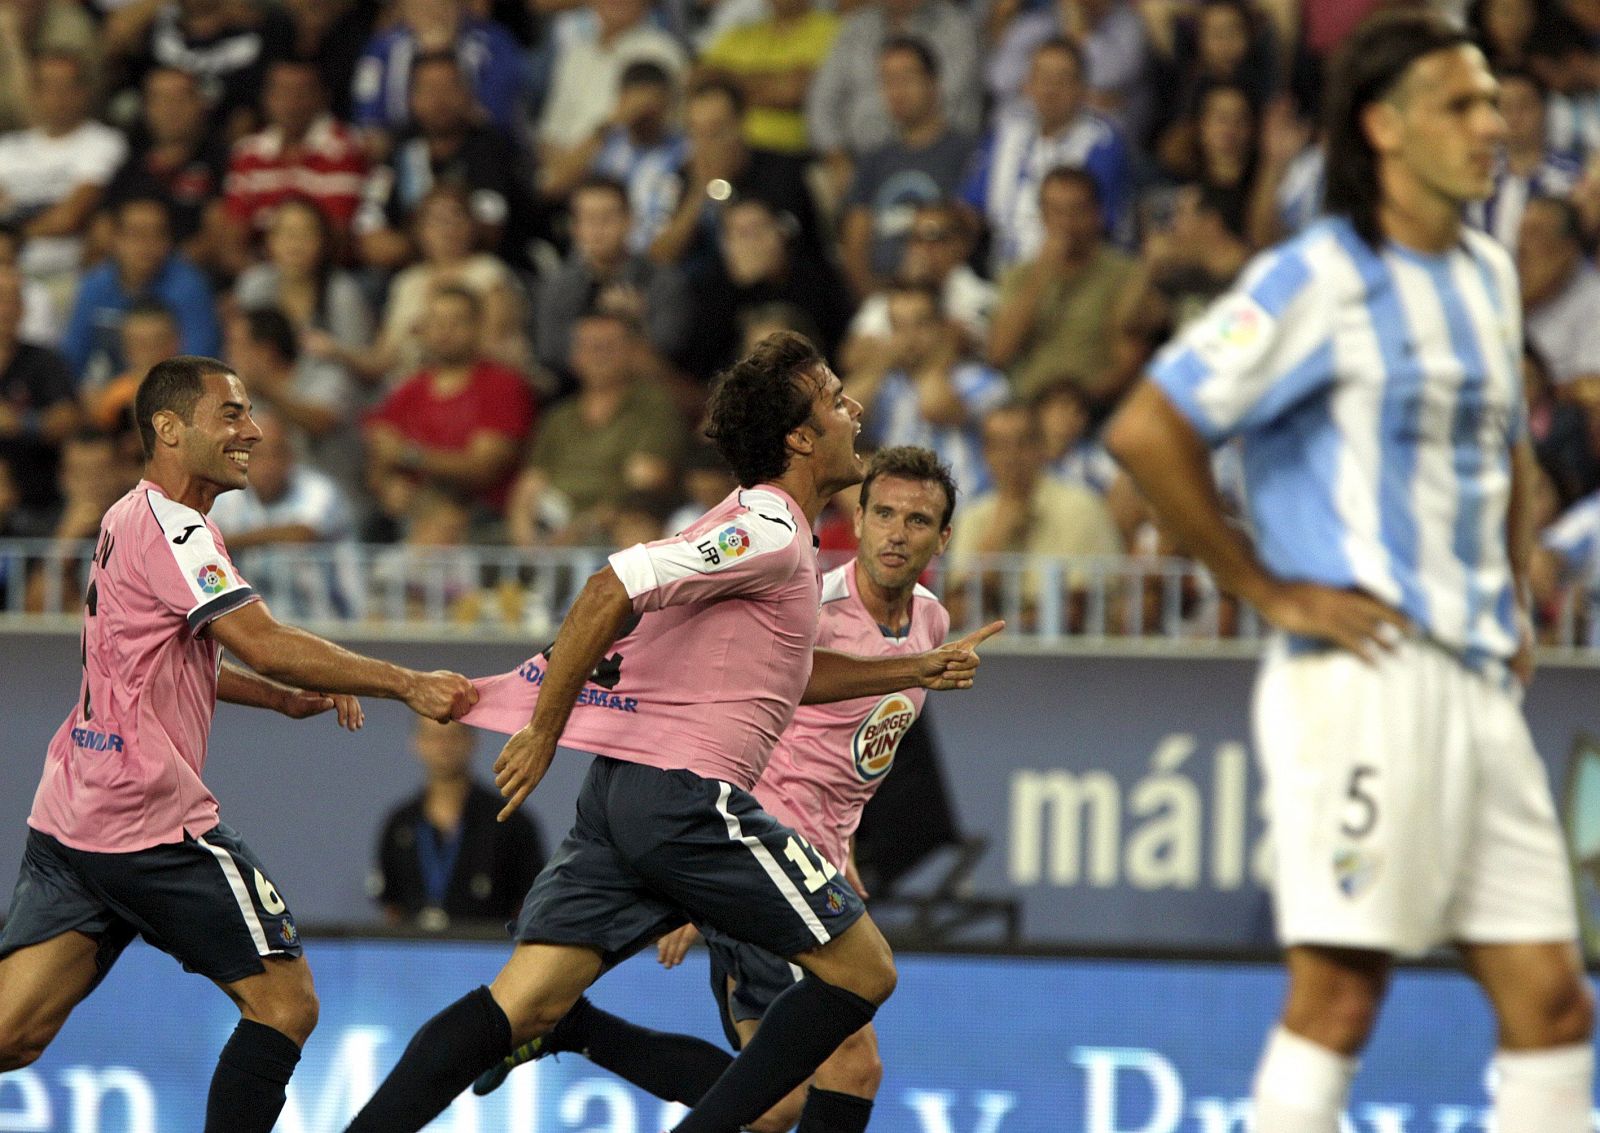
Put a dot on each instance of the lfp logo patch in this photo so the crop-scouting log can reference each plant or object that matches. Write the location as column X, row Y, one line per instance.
column 878, row 737
column 734, row 541
column 212, row 578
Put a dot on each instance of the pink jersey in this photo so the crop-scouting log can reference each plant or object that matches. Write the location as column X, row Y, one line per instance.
column 710, row 675
column 832, row 758
column 123, row 771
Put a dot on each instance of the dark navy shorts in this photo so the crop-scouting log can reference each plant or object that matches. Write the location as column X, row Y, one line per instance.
column 207, row 901
column 652, row 849
column 756, row 976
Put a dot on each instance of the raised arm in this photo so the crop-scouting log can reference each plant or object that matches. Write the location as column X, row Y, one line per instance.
column 291, row 656
column 591, row 626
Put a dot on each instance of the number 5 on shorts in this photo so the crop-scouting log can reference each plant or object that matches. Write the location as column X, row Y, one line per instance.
column 1361, row 809
column 814, row 878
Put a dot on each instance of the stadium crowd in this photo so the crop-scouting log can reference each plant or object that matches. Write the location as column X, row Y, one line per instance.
column 477, row 260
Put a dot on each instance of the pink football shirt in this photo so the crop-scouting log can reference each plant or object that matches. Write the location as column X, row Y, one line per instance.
column 832, row 758
column 123, row 772
column 711, row 674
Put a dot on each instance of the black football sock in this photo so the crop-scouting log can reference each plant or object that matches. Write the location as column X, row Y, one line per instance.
column 253, row 1070
column 829, row 1112
column 675, row 1068
column 443, row 1058
column 802, row 1027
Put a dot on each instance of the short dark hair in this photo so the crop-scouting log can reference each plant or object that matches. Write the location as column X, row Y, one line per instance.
column 1073, row 175
column 645, row 73
column 1372, row 62
column 271, row 327
column 175, row 385
column 912, row 45
column 909, row 462
column 758, row 401
column 727, row 88
column 600, row 183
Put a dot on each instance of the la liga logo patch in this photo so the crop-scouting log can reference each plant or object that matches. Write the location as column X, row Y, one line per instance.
column 212, row 578
column 733, row 541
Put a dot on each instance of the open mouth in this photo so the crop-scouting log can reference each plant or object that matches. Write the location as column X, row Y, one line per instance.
column 239, row 458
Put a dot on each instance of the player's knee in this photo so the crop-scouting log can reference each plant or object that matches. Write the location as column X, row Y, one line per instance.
column 855, row 1067
column 1567, row 1013
column 782, row 1117
column 294, row 1015
column 1340, row 1018
column 879, row 979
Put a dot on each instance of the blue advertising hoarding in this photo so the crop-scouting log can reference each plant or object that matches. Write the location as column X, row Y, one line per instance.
column 1119, row 794
column 970, row 1045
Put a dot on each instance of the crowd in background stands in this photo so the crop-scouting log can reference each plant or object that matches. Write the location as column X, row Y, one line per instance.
column 477, row 260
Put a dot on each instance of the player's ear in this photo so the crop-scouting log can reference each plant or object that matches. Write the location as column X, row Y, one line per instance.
column 1380, row 121
column 168, row 426
column 802, row 439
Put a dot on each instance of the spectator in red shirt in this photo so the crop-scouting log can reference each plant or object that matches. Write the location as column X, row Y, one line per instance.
column 303, row 152
column 460, row 422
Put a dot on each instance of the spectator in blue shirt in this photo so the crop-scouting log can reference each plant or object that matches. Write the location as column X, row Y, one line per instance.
column 489, row 56
column 142, row 265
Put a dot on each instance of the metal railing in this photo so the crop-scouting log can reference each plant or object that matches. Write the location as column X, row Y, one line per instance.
column 507, row 593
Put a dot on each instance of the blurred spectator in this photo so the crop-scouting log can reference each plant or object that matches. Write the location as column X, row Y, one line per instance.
column 52, row 175
column 1113, row 41
column 1029, row 513
column 29, row 29
column 312, row 396
column 324, row 303
column 773, row 61
column 1055, row 129
column 442, row 856
column 176, row 158
column 761, row 263
column 226, row 44
column 921, row 164
column 143, row 265
column 1290, row 176
column 938, row 246
column 431, row 574
column 1217, row 148
column 288, row 505
column 37, row 410
column 445, row 144
column 756, row 322
column 845, row 112
column 1560, row 290
column 1512, row 33
column 1072, row 452
column 92, row 475
column 640, row 146
column 1214, row 41
column 601, row 272
column 583, row 89
column 446, row 235
column 1528, row 167
column 1054, row 312
column 149, row 334
column 41, row 320
column 618, row 434
column 490, row 59
column 639, row 517
column 460, row 422
column 718, row 167
column 303, row 152
column 925, row 389
column 331, row 35
column 706, row 482
column 1564, row 573
column 1561, row 432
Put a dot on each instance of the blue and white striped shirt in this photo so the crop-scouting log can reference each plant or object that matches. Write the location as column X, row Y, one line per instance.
column 1376, row 396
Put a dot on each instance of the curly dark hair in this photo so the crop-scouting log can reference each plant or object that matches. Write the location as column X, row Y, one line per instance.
column 759, row 401
column 909, row 462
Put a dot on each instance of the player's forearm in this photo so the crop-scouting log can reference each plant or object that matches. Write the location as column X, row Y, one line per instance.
column 840, row 676
column 1171, row 466
column 241, row 686
column 304, row 660
column 591, row 627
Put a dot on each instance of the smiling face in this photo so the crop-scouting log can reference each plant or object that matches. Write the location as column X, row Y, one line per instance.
column 214, row 447
column 899, row 532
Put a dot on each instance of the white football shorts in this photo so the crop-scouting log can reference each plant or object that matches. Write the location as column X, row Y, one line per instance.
column 1406, row 803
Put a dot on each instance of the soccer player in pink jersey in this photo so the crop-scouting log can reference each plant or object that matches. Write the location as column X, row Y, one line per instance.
column 680, row 664
column 821, row 775
column 124, row 838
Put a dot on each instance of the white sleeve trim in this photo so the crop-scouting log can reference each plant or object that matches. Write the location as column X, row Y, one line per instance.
column 735, row 542
column 634, row 568
column 213, row 581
